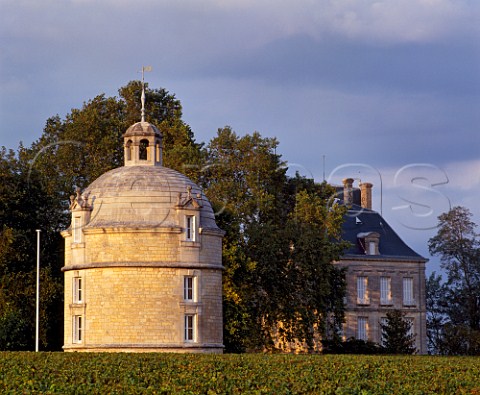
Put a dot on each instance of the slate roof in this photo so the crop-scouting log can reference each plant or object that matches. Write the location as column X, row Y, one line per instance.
column 359, row 220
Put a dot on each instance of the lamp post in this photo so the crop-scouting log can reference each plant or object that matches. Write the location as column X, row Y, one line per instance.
column 37, row 309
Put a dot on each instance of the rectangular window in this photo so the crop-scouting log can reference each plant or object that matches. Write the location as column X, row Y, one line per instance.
column 77, row 228
column 383, row 322
column 385, row 290
column 190, row 228
column 188, row 288
column 362, row 328
column 410, row 329
column 372, row 248
column 362, row 290
column 77, row 290
column 190, row 327
column 77, row 329
column 408, row 299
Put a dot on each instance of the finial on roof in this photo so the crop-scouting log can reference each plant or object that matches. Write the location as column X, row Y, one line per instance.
column 144, row 68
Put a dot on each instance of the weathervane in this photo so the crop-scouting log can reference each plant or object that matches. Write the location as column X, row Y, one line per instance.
column 144, row 68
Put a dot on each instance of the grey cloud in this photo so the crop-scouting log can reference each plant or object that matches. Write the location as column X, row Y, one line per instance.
column 445, row 68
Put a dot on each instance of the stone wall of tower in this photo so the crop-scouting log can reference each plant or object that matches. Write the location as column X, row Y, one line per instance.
column 132, row 290
column 143, row 308
column 142, row 246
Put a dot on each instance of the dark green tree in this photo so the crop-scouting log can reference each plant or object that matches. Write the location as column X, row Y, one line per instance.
column 279, row 282
column 397, row 334
column 25, row 207
column 458, row 246
column 14, row 331
column 437, row 306
column 243, row 178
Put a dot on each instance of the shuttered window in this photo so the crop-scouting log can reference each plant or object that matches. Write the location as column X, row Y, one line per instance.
column 362, row 290
column 385, row 290
column 362, row 328
column 408, row 299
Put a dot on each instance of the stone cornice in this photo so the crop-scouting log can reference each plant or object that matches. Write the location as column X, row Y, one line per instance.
column 169, row 265
column 352, row 259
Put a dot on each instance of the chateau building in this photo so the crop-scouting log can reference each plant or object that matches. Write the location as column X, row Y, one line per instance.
column 143, row 259
column 383, row 273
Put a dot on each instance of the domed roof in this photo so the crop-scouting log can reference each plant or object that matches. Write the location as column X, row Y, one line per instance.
column 144, row 197
column 142, row 129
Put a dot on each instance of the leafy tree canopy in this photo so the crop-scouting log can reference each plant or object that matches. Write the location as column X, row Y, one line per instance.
column 454, row 307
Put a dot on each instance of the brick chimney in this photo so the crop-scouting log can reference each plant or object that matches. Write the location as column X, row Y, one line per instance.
column 348, row 191
column 366, row 195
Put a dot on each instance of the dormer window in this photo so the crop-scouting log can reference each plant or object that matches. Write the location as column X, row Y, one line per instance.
column 369, row 242
column 143, row 150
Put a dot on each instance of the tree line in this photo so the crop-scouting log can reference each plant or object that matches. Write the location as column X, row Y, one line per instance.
column 282, row 232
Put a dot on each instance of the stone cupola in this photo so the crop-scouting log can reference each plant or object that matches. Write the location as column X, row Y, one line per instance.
column 143, row 145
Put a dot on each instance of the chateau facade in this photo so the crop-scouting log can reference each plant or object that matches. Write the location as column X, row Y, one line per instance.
column 382, row 272
column 143, row 259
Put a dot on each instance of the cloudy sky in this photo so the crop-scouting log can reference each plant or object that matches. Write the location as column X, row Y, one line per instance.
column 386, row 91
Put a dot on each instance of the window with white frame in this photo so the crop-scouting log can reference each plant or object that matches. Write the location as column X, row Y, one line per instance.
column 362, row 290
column 189, row 288
column 77, row 228
column 190, row 228
column 372, row 248
column 77, row 328
column 190, row 324
column 408, row 299
column 385, row 290
column 362, row 328
column 77, row 290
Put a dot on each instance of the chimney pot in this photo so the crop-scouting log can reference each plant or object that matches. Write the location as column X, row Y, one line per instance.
column 366, row 195
column 348, row 191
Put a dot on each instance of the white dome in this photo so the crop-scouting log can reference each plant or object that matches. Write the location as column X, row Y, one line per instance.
column 143, row 197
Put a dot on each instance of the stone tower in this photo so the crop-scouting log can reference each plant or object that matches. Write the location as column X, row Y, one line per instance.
column 143, row 259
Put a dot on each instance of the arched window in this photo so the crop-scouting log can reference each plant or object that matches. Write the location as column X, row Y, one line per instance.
column 128, row 150
column 143, row 155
